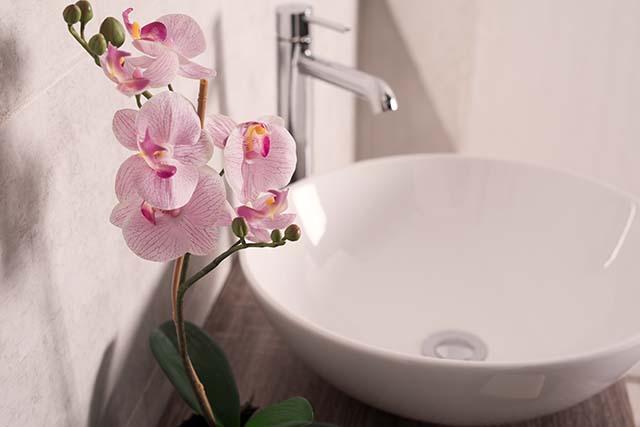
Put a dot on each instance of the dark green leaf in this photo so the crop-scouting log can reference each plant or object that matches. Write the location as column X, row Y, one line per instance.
column 294, row 412
column 213, row 369
column 169, row 360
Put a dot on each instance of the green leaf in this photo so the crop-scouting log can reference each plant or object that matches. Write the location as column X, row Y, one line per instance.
column 169, row 360
column 212, row 367
column 294, row 412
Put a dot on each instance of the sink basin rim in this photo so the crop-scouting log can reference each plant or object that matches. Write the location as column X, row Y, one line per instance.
column 489, row 365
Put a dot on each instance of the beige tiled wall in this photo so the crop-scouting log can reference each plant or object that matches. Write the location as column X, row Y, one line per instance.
column 77, row 306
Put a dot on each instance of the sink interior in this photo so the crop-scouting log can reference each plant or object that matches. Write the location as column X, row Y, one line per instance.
column 535, row 263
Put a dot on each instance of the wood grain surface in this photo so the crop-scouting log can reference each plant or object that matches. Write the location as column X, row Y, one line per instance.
column 267, row 370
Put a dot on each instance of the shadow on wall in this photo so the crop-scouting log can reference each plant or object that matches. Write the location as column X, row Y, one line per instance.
column 113, row 406
column 415, row 127
column 24, row 261
column 219, row 83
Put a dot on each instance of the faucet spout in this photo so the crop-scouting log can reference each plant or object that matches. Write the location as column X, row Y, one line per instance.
column 297, row 66
column 373, row 89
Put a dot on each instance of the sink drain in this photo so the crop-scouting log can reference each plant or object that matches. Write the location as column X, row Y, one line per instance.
column 454, row 345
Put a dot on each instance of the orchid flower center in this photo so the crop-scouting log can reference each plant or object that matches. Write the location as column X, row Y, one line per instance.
column 149, row 212
column 271, row 206
column 256, row 142
column 156, row 156
column 135, row 30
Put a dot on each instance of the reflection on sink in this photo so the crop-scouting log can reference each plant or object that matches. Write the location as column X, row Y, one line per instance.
column 458, row 290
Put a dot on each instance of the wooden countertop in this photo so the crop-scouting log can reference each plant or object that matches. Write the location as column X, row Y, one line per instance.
column 267, row 370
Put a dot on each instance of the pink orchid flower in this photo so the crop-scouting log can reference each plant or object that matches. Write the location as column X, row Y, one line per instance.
column 162, row 235
column 266, row 214
column 170, row 148
column 177, row 35
column 131, row 80
column 258, row 155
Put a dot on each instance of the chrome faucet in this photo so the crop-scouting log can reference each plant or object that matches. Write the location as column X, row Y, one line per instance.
column 296, row 64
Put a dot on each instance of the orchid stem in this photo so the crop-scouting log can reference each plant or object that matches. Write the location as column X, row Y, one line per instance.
column 221, row 172
column 170, row 87
column 82, row 24
column 177, row 299
column 83, row 43
column 138, row 101
column 185, row 266
column 179, row 289
column 178, row 319
column 147, row 94
column 237, row 246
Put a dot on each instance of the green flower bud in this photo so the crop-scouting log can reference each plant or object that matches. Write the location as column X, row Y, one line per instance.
column 86, row 10
column 276, row 235
column 239, row 227
column 98, row 44
column 71, row 14
column 292, row 232
column 113, row 31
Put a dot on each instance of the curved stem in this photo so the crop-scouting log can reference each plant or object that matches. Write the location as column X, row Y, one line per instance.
column 83, row 43
column 178, row 320
column 238, row 246
column 179, row 288
column 177, row 299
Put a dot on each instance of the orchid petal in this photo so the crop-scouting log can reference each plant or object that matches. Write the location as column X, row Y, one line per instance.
column 196, row 154
column 148, row 212
column 128, row 24
column 259, row 235
column 248, row 180
column 219, row 127
column 113, row 64
column 127, row 177
column 163, row 70
column 159, row 242
column 140, row 61
column 149, row 47
column 186, row 35
column 249, row 213
column 164, row 235
column 124, row 128
column 191, row 70
column 133, row 87
column 148, row 147
column 167, row 193
column 170, row 118
column 208, row 206
column 122, row 212
column 280, row 221
column 154, row 31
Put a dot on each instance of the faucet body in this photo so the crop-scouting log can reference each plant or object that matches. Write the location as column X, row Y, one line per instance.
column 296, row 65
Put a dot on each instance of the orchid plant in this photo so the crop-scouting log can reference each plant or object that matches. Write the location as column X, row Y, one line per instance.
column 171, row 204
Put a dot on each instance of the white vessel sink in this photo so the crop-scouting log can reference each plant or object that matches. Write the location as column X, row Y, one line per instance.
column 458, row 290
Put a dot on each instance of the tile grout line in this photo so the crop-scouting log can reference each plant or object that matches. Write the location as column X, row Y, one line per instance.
column 39, row 92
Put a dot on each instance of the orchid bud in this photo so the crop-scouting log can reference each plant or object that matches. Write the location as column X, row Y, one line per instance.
column 276, row 235
column 98, row 44
column 292, row 232
column 86, row 11
column 239, row 227
column 71, row 14
column 113, row 31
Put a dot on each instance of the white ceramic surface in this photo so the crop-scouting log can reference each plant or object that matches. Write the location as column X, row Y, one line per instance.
column 541, row 266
